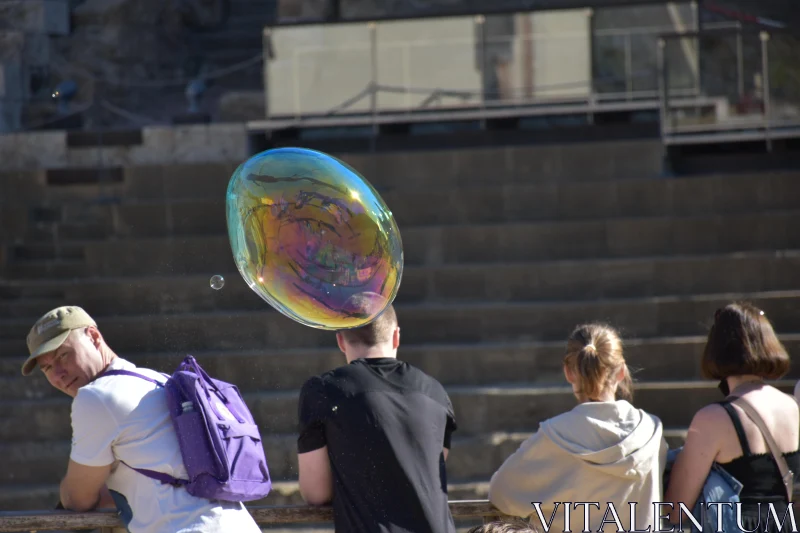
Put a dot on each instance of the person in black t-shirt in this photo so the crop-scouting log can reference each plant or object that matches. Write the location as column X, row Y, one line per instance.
column 374, row 437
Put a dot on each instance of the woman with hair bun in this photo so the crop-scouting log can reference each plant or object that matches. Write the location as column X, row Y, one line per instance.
column 604, row 450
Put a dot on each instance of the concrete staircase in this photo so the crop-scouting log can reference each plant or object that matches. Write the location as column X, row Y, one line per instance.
column 507, row 249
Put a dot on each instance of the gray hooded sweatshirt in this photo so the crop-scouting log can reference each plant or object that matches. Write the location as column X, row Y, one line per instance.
column 603, row 452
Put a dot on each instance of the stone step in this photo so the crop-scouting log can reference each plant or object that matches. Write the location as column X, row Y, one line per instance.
column 517, row 194
column 31, row 289
column 478, row 410
column 503, row 282
column 650, row 360
column 525, row 164
column 489, row 243
column 470, row 458
column 432, row 323
column 466, row 205
column 70, row 230
column 22, row 497
column 10, row 348
column 66, row 269
column 56, row 251
column 628, row 237
column 27, row 307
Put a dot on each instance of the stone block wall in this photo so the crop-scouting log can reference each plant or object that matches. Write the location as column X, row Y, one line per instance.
column 149, row 145
column 26, row 27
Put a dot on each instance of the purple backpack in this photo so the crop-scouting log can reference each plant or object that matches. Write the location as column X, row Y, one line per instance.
column 219, row 440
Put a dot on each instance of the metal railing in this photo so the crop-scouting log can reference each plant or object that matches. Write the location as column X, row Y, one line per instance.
column 750, row 82
column 109, row 522
column 412, row 67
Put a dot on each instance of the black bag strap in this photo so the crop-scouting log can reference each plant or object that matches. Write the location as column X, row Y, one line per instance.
column 786, row 474
column 737, row 425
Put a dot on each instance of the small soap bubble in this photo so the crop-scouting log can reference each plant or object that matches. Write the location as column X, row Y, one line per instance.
column 217, row 282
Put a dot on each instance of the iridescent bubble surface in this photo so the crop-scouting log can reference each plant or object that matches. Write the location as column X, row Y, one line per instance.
column 313, row 238
column 216, row 282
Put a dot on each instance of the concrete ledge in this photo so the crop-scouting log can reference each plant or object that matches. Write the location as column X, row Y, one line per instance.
column 34, row 150
column 203, row 143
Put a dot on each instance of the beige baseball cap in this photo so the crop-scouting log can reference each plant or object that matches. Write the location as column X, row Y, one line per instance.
column 50, row 332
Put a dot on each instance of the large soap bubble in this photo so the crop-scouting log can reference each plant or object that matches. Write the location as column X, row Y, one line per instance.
column 313, row 238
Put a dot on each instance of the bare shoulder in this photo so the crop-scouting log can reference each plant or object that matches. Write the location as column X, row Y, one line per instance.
column 710, row 427
column 710, row 417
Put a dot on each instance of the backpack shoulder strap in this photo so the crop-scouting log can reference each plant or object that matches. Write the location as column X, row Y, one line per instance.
column 166, row 479
column 158, row 476
column 129, row 373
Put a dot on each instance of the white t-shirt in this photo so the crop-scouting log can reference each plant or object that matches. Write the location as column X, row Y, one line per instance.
column 118, row 419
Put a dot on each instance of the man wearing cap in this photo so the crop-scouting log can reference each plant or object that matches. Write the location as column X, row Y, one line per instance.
column 119, row 423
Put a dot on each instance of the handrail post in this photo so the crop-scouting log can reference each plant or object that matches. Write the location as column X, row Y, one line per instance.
column 765, row 88
column 266, row 44
column 373, row 72
column 479, row 21
column 662, row 87
column 590, row 27
column 628, row 66
column 296, row 83
column 739, row 61
column 698, row 27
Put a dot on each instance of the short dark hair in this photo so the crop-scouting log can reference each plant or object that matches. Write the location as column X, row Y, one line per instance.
column 376, row 332
column 741, row 341
column 515, row 526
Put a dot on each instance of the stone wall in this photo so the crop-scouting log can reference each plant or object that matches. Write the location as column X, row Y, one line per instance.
column 26, row 29
column 150, row 145
column 120, row 51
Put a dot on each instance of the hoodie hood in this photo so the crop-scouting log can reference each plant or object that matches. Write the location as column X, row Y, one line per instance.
column 613, row 437
column 597, row 452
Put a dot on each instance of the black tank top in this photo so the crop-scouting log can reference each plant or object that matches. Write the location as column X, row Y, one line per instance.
column 758, row 473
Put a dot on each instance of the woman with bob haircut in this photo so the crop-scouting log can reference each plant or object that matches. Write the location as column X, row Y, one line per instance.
column 603, row 450
column 742, row 351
